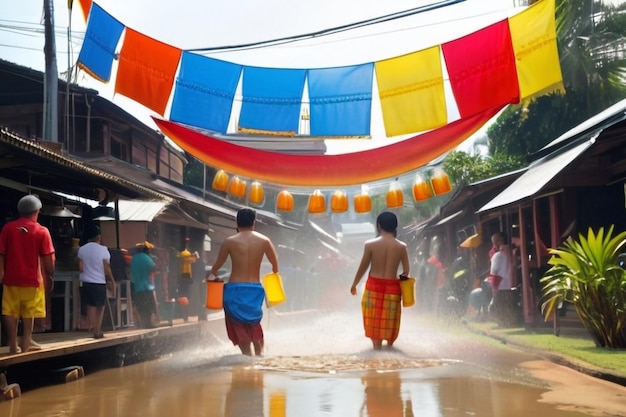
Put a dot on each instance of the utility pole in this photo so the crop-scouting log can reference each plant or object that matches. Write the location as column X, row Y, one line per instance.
column 51, row 78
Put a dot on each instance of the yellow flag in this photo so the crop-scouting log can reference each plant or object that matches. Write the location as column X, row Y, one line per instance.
column 411, row 92
column 533, row 33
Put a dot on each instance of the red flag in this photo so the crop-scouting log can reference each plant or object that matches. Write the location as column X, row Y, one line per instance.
column 482, row 69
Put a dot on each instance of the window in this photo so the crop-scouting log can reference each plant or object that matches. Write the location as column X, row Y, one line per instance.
column 119, row 149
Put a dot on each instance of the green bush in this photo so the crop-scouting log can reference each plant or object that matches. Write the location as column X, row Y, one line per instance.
column 587, row 274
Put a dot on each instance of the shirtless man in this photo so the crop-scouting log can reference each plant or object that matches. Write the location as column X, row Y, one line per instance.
column 243, row 294
column 381, row 303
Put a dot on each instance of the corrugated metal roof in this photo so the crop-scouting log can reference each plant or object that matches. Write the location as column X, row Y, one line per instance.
column 538, row 175
column 592, row 126
column 140, row 211
column 147, row 211
column 448, row 218
column 32, row 147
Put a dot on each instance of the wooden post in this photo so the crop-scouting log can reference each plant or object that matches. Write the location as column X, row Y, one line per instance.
column 527, row 291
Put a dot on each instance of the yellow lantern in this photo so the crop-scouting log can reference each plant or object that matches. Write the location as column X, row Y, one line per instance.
column 421, row 189
column 237, row 187
column 284, row 201
column 395, row 198
column 362, row 201
column 440, row 181
column 220, row 180
column 339, row 202
column 317, row 202
column 257, row 195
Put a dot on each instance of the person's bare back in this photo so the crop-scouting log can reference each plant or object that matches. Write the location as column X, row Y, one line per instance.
column 246, row 250
column 386, row 254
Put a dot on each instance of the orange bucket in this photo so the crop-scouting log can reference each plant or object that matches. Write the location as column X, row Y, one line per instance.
column 407, row 287
column 274, row 291
column 214, row 295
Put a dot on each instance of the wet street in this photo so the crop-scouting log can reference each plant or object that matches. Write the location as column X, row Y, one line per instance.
column 319, row 363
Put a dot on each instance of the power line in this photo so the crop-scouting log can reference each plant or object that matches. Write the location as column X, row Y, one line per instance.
column 334, row 30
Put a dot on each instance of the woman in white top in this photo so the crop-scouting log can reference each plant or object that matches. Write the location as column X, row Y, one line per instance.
column 95, row 275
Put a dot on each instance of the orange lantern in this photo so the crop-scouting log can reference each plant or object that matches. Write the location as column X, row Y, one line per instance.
column 317, row 202
column 362, row 203
column 257, row 195
column 237, row 187
column 339, row 202
column 395, row 198
column 284, row 201
column 421, row 189
column 220, row 180
column 440, row 181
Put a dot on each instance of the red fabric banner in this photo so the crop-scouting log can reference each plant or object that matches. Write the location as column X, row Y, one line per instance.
column 326, row 170
column 482, row 69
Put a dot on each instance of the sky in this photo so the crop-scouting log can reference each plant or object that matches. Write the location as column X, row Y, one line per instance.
column 190, row 24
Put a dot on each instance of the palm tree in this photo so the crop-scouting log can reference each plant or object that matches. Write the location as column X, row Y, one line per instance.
column 592, row 50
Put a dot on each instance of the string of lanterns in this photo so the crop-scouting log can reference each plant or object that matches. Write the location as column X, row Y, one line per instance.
column 423, row 189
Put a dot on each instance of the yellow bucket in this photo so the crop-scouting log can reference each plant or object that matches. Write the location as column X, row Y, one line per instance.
column 214, row 295
column 407, row 286
column 274, row 291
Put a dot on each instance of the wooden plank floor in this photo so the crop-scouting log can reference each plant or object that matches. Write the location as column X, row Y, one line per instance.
column 66, row 343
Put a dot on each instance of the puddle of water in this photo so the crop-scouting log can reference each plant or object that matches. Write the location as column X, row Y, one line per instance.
column 322, row 365
column 268, row 389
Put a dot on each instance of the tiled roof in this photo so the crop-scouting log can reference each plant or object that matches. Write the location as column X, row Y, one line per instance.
column 39, row 150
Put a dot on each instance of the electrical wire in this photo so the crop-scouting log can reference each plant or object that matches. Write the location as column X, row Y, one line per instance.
column 334, row 30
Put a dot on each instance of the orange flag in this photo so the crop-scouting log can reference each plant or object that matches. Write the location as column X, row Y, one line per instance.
column 85, row 5
column 146, row 70
column 411, row 92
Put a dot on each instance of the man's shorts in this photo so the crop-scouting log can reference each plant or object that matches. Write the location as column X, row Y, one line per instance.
column 93, row 294
column 24, row 302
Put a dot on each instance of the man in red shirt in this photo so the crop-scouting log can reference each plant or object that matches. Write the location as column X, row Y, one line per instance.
column 26, row 251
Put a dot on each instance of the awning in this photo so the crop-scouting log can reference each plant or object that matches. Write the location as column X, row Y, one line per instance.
column 140, row 211
column 176, row 215
column 147, row 211
column 594, row 125
column 447, row 219
column 540, row 173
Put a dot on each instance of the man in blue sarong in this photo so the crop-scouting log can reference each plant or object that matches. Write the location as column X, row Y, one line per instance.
column 243, row 293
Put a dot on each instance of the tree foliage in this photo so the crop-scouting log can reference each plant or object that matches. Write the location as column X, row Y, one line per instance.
column 193, row 173
column 464, row 168
column 590, row 37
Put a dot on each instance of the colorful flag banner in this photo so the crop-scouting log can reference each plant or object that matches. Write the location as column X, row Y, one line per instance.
column 204, row 93
column 533, row 33
column 85, row 5
column 482, row 69
column 411, row 92
column 494, row 66
column 272, row 99
column 326, row 170
column 341, row 100
column 146, row 70
column 101, row 38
